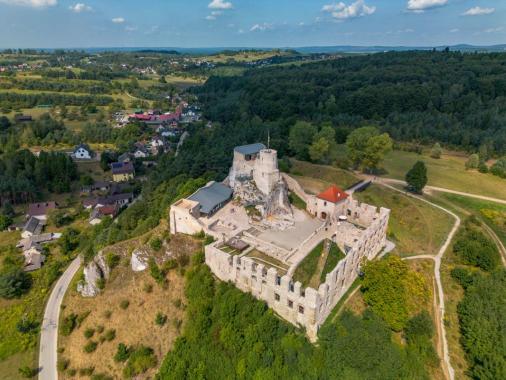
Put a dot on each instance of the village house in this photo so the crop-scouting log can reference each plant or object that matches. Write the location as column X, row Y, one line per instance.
column 34, row 258
column 99, row 213
column 33, row 226
column 40, row 210
column 125, row 157
column 122, row 171
column 82, row 152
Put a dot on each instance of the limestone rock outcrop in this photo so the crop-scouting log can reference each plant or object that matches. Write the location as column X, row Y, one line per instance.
column 139, row 261
column 94, row 271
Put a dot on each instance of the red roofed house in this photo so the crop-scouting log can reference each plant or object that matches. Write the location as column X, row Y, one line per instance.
column 329, row 203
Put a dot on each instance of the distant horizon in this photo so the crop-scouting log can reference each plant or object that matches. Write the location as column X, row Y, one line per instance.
column 304, row 48
column 280, row 23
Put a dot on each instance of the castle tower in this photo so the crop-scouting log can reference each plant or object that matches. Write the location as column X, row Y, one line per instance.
column 266, row 173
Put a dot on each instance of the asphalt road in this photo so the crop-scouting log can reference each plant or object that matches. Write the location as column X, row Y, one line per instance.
column 49, row 331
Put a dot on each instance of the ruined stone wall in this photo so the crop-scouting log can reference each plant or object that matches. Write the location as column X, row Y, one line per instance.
column 241, row 168
column 183, row 221
column 305, row 307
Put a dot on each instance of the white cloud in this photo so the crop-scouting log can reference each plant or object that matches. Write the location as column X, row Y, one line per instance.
column 118, row 20
column 214, row 15
column 220, row 4
column 31, row 3
column 422, row 5
column 131, row 28
column 341, row 11
column 478, row 11
column 80, row 7
column 260, row 27
column 494, row 30
column 454, row 30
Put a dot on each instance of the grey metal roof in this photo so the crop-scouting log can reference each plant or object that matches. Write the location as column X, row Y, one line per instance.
column 211, row 196
column 249, row 149
column 33, row 225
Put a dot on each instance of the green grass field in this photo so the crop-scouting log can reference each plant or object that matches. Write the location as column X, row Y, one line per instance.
column 491, row 213
column 449, row 172
column 323, row 173
column 416, row 228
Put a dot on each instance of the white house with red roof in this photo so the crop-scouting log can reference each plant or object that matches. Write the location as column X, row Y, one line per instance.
column 329, row 204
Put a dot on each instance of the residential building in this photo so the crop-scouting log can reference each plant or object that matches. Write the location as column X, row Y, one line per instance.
column 40, row 210
column 122, row 171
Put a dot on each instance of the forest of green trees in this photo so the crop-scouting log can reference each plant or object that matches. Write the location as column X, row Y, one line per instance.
column 454, row 98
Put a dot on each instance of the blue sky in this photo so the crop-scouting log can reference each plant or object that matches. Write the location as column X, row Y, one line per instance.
column 250, row 23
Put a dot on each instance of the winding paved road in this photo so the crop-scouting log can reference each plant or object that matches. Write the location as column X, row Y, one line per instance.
column 49, row 332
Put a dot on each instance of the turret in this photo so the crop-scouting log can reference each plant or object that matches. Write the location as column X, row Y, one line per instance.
column 266, row 173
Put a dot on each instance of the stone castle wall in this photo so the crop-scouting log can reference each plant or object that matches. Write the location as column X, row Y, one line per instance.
column 304, row 307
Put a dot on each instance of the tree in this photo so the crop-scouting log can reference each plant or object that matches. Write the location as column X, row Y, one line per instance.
column 436, row 151
column 367, row 147
column 301, row 135
column 5, row 221
column 499, row 168
column 319, row 149
column 473, row 161
column 14, row 283
column 416, row 177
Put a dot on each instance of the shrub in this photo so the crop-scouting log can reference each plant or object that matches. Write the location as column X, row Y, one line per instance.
column 463, row 276
column 14, row 283
column 473, row 161
column 89, row 332
column 169, row 265
column 148, row 288
column 101, row 283
column 122, row 353
column 156, row 272
column 476, row 249
column 156, row 244
column 436, row 151
column 90, row 347
column 112, row 260
column 160, row 319
column 140, row 360
column 86, row 371
column 68, row 324
column 101, row 376
column 110, row 335
column 107, row 314
column 26, row 325
column 124, row 304
column 72, row 372
column 27, row 372
column 62, row 364
column 100, row 329
column 177, row 303
column 82, row 317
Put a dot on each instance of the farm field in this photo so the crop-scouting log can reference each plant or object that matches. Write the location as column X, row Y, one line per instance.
column 449, row 172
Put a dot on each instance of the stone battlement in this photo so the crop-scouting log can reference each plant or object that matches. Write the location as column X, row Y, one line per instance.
column 307, row 307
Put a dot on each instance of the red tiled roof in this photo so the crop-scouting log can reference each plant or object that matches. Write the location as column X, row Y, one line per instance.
column 333, row 194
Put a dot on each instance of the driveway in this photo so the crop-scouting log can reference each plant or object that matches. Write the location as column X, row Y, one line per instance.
column 49, row 331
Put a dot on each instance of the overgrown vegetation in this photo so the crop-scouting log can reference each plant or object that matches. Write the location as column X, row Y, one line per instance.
column 394, row 292
column 229, row 334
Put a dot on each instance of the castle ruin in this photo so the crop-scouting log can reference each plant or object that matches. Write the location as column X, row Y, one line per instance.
column 260, row 253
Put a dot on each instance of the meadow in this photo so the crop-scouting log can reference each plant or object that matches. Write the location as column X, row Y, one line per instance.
column 448, row 172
